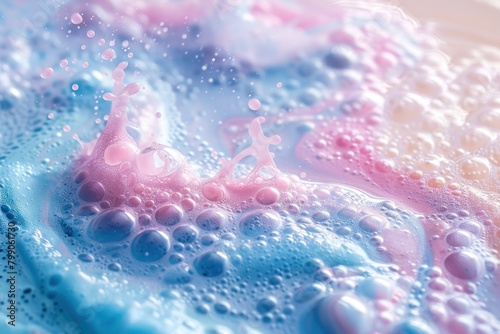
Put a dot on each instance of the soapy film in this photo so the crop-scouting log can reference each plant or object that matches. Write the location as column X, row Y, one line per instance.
column 132, row 235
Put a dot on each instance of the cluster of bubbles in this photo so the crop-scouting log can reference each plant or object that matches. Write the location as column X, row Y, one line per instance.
column 266, row 262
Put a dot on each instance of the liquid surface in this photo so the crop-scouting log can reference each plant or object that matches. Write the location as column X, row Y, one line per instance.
column 250, row 167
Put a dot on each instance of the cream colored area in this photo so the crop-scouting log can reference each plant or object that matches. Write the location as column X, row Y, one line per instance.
column 463, row 24
column 444, row 117
column 458, row 133
column 443, row 120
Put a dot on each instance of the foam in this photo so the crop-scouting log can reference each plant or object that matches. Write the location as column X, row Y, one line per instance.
column 228, row 183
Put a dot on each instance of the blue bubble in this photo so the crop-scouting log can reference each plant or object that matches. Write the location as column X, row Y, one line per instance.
column 175, row 258
column 150, row 245
column 5, row 208
column 85, row 257
column 375, row 288
column 339, row 59
column 202, row 309
column 321, row 216
column 179, row 274
column 210, row 220
column 308, row 68
column 266, row 305
column 111, row 225
column 178, row 247
column 308, row 292
column 275, row 280
column 211, row 264
column 310, row 96
column 5, row 104
column 87, row 210
column 168, row 215
column 313, row 265
column 222, row 307
column 55, row 279
column 185, row 234
column 305, row 127
column 116, row 267
column 413, row 326
column 208, row 240
column 259, row 222
column 337, row 314
column 91, row 191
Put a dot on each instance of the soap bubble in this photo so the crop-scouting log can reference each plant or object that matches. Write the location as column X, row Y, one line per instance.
column 211, row 264
column 150, row 245
column 159, row 161
column 112, row 225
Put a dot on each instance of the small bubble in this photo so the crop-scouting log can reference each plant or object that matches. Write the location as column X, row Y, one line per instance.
column 211, row 264
column 111, row 226
column 47, row 72
column 86, row 257
column 150, row 246
column 76, row 18
column 185, row 234
column 168, row 215
column 254, row 104
column 108, row 54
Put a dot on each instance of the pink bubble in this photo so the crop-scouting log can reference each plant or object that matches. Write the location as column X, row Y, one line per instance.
column 47, row 72
column 108, row 54
column 118, row 152
column 213, row 192
column 134, row 201
column 188, row 204
column 464, row 265
column 254, row 104
column 76, row 18
column 267, row 196
column 90, row 33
